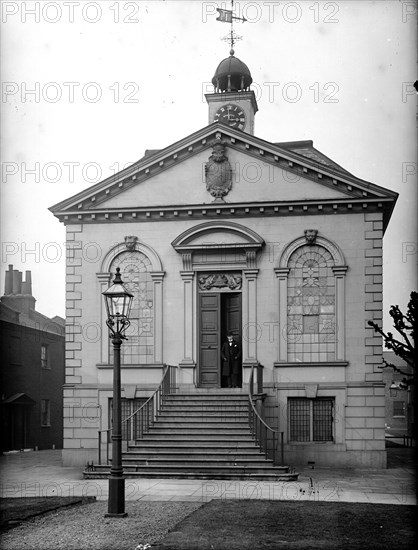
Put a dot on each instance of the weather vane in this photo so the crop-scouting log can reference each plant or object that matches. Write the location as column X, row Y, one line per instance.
column 227, row 16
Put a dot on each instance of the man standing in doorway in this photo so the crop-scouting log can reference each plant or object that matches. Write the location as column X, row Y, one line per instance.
column 231, row 361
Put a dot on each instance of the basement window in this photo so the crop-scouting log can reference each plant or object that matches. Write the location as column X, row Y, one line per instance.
column 311, row 419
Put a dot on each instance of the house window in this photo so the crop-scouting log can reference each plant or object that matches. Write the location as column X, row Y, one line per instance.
column 45, row 412
column 44, row 357
column 310, row 419
column 399, row 408
column 15, row 350
column 135, row 270
column 311, row 328
column 133, row 426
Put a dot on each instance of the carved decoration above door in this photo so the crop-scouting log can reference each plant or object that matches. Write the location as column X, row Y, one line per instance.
column 219, row 281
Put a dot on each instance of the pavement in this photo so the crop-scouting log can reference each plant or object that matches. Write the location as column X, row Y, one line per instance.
column 41, row 474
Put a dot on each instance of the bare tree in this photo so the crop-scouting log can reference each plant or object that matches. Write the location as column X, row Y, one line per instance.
column 404, row 345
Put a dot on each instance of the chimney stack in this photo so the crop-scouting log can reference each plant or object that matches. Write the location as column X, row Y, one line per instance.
column 17, row 282
column 8, row 281
column 27, row 284
column 18, row 294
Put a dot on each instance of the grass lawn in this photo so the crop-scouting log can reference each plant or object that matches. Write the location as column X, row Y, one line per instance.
column 258, row 524
column 15, row 510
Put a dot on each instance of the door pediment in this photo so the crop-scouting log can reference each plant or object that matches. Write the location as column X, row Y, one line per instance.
column 218, row 243
column 207, row 235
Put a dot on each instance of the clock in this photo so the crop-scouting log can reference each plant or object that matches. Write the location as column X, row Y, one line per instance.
column 232, row 115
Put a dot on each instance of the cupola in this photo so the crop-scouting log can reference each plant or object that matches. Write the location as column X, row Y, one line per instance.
column 233, row 103
column 232, row 75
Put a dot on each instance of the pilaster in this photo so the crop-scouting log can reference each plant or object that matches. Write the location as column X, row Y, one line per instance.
column 339, row 273
column 188, row 286
column 282, row 274
column 249, row 337
column 157, row 282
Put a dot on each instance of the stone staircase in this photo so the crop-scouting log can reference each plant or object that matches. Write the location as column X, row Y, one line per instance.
column 199, row 435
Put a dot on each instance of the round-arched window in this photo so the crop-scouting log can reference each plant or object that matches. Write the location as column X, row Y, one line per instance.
column 311, row 328
column 135, row 268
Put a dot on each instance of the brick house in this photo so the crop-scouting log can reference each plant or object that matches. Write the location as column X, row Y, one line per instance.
column 32, row 369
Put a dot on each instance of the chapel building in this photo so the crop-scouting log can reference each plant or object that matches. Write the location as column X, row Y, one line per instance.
column 223, row 232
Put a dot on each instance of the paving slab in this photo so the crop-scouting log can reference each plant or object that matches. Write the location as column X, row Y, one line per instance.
column 40, row 473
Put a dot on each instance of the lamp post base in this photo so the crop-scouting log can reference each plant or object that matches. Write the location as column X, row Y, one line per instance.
column 116, row 503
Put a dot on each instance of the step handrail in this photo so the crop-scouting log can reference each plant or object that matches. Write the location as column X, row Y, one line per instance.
column 151, row 409
column 262, row 432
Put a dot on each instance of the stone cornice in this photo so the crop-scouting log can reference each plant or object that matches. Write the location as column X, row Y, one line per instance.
column 227, row 210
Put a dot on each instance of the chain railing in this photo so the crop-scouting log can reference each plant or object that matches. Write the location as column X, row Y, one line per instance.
column 266, row 437
column 140, row 421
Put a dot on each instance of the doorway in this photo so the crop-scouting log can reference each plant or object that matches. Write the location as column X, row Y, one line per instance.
column 219, row 313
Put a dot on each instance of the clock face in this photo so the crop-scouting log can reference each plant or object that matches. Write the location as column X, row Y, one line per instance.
column 232, row 115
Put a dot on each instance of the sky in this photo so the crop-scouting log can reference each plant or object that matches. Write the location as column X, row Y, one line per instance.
column 88, row 86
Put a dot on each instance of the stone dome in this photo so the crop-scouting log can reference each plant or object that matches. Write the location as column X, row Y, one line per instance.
column 232, row 75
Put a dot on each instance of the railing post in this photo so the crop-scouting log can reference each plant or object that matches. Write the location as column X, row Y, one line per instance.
column 107, row 446
column 274, row 448
column 100, row 448
column 259, row 378
column 281, row 448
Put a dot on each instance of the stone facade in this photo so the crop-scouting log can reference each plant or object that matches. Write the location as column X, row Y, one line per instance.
column 297, row 242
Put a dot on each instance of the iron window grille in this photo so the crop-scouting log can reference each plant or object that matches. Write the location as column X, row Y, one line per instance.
column 311, row 419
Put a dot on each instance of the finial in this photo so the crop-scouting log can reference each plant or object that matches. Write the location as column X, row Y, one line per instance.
column 117, row 279
column 231, row 51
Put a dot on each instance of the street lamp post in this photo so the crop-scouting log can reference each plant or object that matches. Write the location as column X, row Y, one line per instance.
column 118, row 305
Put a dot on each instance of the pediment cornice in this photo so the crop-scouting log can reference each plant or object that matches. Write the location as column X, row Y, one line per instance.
column 86, row 205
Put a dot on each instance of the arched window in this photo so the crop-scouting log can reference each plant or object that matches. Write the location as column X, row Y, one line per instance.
column 135, row 268
column 311, row 306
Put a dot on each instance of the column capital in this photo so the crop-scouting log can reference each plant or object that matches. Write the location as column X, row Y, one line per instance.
column 103, row 277
column 282, row 272
column 340, row 270
column 187, row 275
column 157, row 275
column 250, row 274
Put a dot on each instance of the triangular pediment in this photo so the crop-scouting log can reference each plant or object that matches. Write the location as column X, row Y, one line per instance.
column 262, row 172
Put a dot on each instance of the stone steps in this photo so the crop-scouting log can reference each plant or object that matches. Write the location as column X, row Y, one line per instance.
column 199, row 435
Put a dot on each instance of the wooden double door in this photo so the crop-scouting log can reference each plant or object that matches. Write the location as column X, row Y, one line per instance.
column 219, row 313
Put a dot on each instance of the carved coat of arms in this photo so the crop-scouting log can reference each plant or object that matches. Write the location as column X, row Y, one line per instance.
column 218, row 171
column 220, row 280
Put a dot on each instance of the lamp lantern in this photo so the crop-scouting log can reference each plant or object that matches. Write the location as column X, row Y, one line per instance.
column 393, row 389
column 118, row 303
